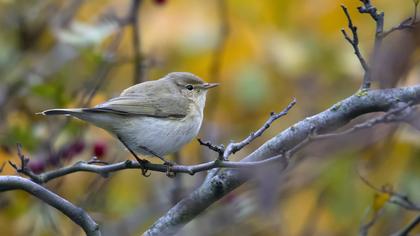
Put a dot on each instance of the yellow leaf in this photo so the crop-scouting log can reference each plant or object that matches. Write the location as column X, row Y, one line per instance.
column 379, row 201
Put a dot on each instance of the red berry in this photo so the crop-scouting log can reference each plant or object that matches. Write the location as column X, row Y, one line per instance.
column 54, row 159
column 99, row 149
column 78, row 146
column 159, row 2
column 73, row 149
column 37, row 166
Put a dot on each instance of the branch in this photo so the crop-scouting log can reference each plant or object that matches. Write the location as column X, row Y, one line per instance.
column 364, row 229
column 220, row 149
column 393, row 115
column 391, row 197
column 227, row 180
column 106, row 169
column 232, row 148
column 368, row 8
column 407, row 229
column 405, row 24
column 394, row 197
column 354, row 41
column 380, row 34
column 76, row 214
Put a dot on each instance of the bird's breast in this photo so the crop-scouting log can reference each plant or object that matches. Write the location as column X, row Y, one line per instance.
column 161, row 135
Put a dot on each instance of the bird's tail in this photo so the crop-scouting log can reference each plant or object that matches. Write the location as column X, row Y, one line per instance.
column 72, row 111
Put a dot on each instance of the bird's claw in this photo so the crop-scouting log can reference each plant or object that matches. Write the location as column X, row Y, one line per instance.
column 169, row 172
column 144, row 171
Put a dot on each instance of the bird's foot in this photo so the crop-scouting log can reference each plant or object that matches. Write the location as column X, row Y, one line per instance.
column 169, row 172
column 144, row 171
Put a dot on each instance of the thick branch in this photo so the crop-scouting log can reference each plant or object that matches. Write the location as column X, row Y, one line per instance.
column 326, row 121
column 76, row 214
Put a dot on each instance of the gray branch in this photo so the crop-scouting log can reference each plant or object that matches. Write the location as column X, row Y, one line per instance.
column 105, row 170
column 232, row 148
column 76, row 214
column 354, row 40
column 408, row 228
column 331, row 119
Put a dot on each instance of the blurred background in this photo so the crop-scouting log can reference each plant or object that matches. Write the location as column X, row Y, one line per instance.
column 80, row 53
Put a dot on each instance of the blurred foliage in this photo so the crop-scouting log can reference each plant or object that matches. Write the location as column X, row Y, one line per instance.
column 54, row 53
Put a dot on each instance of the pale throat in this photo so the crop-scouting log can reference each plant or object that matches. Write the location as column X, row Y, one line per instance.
column 198, row 104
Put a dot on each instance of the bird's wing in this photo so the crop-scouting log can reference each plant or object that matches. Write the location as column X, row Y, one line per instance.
column 164, row 106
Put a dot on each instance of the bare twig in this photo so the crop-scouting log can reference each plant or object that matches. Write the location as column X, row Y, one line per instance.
column 392, row 197
column 380, row 34
column 378, row 17
column 232, row 148
column 23, row 168
column 390, row 116
column 220, row 149
column 354, row 40
column 405, row 24
column 368, row 8
column 408, row 228
column 395, row 197
column 76, row 214
column 364, row 229
column 105, row 170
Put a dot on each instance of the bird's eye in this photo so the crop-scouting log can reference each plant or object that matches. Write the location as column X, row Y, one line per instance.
column 189, row 87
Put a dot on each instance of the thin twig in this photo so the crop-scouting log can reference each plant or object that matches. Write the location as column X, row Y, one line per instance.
column 105, row 170
column 395, row 197
column 23, row 168
column 220, row 149
column 354, row 41
column 232, row 148
column 364, row 229
column 405, row 24
column 408, row 228
column 368, row 8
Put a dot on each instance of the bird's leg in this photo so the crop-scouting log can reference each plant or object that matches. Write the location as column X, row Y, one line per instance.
column 167, row 163
column 142, row 162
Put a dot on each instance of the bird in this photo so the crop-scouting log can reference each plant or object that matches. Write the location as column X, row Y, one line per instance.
column 152, row 118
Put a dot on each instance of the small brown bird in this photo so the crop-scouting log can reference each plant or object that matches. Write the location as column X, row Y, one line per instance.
column 152, row 118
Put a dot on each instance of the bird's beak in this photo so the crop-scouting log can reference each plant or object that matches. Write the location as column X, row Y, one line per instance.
column 210, row 85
